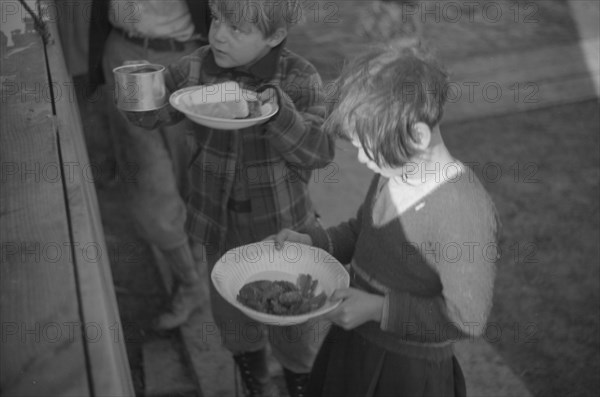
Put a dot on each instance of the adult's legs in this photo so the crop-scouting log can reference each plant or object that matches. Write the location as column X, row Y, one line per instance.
column 151, row 169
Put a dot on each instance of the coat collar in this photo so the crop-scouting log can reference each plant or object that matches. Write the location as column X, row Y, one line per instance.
column 264, row 69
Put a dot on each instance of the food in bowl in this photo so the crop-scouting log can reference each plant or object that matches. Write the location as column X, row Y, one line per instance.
column 282, row 297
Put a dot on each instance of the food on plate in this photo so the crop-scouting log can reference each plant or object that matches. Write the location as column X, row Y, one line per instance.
column 254, row 109
column 225, row 101
column 282, row 297
column 238, row 109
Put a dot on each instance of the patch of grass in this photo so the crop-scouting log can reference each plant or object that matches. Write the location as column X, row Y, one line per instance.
column 548, row 280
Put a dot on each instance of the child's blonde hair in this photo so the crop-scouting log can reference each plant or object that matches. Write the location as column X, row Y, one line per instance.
column 266, row 15
column 382, row 95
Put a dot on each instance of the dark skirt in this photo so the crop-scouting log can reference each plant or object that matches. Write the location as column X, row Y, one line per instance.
column 349, row 365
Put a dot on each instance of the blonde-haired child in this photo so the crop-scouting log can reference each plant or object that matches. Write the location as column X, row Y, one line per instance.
column 421, row 248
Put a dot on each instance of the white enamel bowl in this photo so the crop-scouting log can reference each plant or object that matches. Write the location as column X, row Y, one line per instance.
column 261, row 261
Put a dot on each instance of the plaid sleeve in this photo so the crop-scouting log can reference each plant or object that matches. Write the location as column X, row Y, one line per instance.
column 177, row 75
column 296, row 130
column 185, row 71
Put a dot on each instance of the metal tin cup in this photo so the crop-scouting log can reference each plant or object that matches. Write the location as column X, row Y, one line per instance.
column 140, row 87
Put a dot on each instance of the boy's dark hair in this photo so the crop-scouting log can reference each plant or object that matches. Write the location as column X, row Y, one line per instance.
column 382, row 94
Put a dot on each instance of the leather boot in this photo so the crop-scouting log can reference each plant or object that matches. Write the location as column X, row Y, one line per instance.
column 188, row 294
column 297, row 384
column 255, row 374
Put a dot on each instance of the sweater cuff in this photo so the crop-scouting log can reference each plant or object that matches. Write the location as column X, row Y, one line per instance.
column 398, row 312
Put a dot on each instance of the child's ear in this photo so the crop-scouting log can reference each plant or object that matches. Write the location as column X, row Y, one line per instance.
column 277, row 37
column 422, row 134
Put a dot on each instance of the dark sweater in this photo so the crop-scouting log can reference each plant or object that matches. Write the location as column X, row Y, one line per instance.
column 435, row 265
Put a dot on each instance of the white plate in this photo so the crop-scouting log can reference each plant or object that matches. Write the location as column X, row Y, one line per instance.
column 180, row 98
column 261, row 261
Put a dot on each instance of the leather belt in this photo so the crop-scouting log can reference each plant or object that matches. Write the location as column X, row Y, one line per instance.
column 156, row 44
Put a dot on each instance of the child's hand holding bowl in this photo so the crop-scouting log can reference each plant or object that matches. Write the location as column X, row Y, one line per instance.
column 291, row 236
column 357, row 308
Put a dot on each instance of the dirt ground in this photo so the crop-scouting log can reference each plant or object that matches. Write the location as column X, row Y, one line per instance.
column 542, row 171
column 545, row 315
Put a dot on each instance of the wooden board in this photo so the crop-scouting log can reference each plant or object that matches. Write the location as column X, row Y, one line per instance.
column 164, row 372
column 43, row 349
column 107, row 357
column 211, row 364
column 60, row 324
